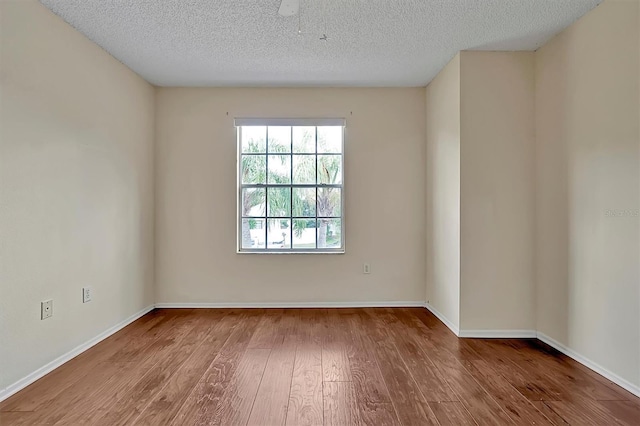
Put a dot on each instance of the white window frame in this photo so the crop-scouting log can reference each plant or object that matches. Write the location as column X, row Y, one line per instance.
column 316, row 122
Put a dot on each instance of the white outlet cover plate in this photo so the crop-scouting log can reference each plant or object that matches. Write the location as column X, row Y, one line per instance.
column 46, row 309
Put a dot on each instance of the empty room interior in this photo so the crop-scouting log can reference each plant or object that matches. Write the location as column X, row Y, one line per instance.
column 320, row 212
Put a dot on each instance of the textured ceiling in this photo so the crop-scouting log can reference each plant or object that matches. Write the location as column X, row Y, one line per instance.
column 370, row 42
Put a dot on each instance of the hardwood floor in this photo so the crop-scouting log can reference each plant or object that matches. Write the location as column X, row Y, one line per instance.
column 313, row 367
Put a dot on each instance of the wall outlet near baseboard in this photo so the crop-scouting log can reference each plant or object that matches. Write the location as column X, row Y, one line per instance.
column 46, row 309
column 86, row 294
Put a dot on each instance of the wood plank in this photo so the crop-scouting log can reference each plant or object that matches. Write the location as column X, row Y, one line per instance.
column 567, row 374
column 614, row 391
column 549, row 413
column 508, row 397
column 305, row 397
column 311, row 326
column 167, row 355
column 533, row 384
column 137, row 348
column 266, row 335
column 452, row 413
column 290, row 328
column 203, row 403
column 241, row 391
column 429, row 379
column 157, row 319
column 19, row 418
column 476, row 400
column 75, row 395
column 130, row 372
column 407, row 399
column 627, row 412
column 583, row 414
column 335, row 361
column 134, row 374
column 107, row 393
column 270, row 405
column 432, row 384
column 166, row 403
column 340, row 408
column 415, row 319
column 372, row 398
column 547, row 376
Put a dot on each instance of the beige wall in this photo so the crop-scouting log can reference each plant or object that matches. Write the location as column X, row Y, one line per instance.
column 196, row 205
column 587, row 124
column 443, row 192
column 528, row 200
column 496, row 191
column 76, row 189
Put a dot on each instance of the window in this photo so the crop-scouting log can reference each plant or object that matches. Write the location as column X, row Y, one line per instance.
column 290, row 185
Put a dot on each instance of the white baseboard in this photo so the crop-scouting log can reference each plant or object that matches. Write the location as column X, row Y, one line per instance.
column 40, row 372
column 442, row 318
column 265, row 305
column 498, row 334
column 623, row 383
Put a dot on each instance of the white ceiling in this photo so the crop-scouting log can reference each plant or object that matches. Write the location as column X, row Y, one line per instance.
column 370, row 42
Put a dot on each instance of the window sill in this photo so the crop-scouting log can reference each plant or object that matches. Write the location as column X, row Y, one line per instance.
column 290, row 252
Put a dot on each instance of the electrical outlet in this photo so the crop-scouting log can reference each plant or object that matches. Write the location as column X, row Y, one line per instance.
column 366, row 268
column 86, row 294
column 46, row 309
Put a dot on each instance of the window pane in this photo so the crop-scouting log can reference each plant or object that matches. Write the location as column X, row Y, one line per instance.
column 330, row 139
column 304, row 169
column 330, row 169
column 304, row 139
column 329, row 233
column 254, row 169
column 278, row 233
column 279, row 169
column 279, row 139
column 304, row 234
column 253, row 233
column 329, row 202
column 253, row 138
column 304, row 202
column 279, row 202
column 253, row 201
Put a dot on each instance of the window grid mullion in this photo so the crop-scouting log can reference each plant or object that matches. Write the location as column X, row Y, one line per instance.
column 286, row 185
column 291, row 182
column 316, row 154
column 287, row 217
column 266, row 191
column 240, row 203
